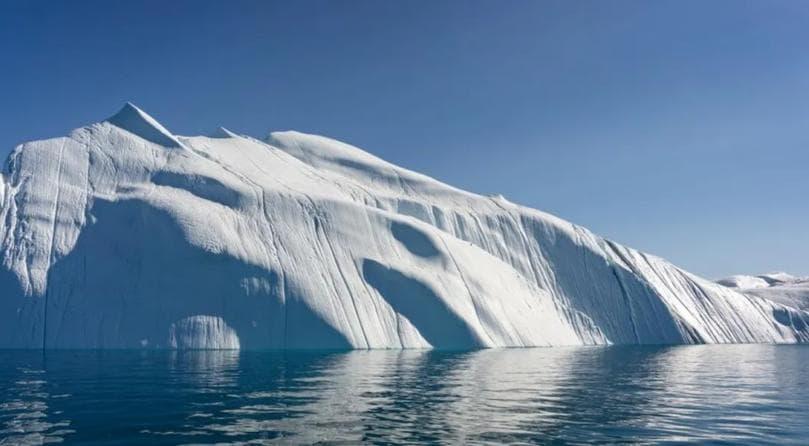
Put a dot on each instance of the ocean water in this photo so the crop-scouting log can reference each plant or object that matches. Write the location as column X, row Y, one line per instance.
column 742, row 394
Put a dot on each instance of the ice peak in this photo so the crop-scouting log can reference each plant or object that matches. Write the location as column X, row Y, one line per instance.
column 223, row 133
column 136, row 121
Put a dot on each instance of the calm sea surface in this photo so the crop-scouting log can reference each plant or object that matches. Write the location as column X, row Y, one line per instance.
column 742, row 394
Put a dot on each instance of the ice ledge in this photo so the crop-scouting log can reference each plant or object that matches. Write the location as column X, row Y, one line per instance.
column 136, row 121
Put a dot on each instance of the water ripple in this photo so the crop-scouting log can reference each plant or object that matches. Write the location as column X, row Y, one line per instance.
column 613, row 395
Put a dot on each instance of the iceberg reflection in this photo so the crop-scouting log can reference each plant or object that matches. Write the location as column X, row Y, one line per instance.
column 25, row 415
column 735, row 394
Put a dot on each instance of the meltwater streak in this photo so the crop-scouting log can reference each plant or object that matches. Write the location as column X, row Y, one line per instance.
column 716, row 394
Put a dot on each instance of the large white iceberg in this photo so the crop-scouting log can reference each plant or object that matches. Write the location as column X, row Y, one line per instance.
column 123, row 235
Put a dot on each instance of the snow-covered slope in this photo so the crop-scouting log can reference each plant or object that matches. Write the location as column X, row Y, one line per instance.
column 125, row 235
column 778, row 287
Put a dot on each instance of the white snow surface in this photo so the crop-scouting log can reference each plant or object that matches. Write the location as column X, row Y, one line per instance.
column 123, row 235
column 778, row 287
column 743, row 282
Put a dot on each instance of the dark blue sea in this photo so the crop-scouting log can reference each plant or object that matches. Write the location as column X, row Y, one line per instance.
column 743, row 394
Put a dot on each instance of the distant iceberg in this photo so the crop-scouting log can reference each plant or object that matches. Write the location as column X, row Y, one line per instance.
column 779, row 287
column 124, row 235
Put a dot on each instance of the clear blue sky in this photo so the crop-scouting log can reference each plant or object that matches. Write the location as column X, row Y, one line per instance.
column 677, row 127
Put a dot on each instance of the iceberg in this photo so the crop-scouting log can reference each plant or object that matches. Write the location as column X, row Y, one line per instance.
column 124, row 235
column 777, row 287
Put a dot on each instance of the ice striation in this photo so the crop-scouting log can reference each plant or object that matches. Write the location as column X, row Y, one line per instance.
column 123, row 235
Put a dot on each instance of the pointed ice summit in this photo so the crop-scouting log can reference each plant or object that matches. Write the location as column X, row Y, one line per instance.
column 222, row 132
column 136, row 121
column 111, row 238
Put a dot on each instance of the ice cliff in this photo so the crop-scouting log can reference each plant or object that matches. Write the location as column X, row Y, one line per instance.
column 124, row 235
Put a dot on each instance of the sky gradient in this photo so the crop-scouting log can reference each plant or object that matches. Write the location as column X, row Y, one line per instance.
column 677, row 127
